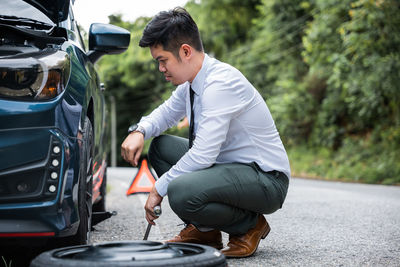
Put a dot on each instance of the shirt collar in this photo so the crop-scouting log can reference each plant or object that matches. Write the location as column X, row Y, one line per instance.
column 198, row 81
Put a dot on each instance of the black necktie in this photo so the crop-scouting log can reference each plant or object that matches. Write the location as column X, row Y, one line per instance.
column 191, row 126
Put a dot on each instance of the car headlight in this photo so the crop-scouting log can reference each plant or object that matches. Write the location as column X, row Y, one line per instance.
column 34, row 76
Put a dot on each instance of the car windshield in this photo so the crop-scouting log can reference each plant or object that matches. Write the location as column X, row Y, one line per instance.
column 21, row 9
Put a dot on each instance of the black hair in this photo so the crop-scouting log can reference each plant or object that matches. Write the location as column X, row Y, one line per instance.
column 171, row 29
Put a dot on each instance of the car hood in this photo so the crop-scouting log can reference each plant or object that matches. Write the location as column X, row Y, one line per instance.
column 56, row 10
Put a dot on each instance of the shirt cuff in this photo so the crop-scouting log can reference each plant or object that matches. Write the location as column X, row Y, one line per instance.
column 147, row 129
column 161, row 186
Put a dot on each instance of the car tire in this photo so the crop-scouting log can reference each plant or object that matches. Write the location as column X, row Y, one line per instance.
column 101, row 205
column 82, row 236
column 108, row 254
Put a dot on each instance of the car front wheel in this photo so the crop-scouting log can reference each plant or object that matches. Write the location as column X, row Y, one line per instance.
column 85, row 186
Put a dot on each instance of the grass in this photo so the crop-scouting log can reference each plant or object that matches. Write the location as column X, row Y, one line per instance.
column 354, row 162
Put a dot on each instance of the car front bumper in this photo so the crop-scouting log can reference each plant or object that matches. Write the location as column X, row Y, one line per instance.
column 38, row 196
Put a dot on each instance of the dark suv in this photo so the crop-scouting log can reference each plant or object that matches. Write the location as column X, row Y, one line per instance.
column 52, row 121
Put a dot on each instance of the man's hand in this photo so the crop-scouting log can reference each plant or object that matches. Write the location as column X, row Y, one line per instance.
column 132, row 148
column 153, row 200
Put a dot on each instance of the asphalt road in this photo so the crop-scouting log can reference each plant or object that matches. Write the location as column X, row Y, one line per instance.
column 321, row 224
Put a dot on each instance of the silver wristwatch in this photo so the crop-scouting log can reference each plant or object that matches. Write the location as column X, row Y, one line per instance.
column 136, row 128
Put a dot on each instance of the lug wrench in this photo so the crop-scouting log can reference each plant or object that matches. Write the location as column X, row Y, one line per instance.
column 157, row 212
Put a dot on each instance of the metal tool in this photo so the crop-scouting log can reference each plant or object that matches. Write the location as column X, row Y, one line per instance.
column 157, row 212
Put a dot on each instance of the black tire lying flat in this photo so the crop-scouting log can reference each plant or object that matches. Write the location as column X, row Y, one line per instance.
column 132, row 253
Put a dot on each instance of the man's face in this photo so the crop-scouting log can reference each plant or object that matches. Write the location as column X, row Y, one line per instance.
column 174, row 70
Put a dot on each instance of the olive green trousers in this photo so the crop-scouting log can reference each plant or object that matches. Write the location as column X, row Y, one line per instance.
column 227, row 197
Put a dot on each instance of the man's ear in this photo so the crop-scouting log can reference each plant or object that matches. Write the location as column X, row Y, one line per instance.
column 186, row 51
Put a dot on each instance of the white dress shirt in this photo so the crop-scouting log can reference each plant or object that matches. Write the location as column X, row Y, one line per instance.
column 232, row 123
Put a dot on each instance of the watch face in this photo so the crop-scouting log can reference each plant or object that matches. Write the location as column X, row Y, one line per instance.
column 132, row 128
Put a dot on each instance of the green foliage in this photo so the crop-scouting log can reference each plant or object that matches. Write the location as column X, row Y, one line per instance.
column 328, row 69
column 272, row 54
column 368, row 74
column 224, row 24
column 358, row 160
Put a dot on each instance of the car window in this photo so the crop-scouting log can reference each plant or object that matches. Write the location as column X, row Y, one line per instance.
column 22, row 9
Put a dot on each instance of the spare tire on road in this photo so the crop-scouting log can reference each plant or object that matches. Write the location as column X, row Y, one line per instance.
column 132, row 253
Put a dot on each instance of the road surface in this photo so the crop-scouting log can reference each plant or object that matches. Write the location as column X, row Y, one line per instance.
column 321, row 224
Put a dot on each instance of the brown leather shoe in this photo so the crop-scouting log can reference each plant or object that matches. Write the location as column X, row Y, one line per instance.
column 190, row 234
column 245, row 245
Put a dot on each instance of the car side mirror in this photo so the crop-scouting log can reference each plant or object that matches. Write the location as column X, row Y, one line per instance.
column 106, row 39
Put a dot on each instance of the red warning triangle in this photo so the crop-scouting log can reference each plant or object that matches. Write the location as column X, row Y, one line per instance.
column 143, row 181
